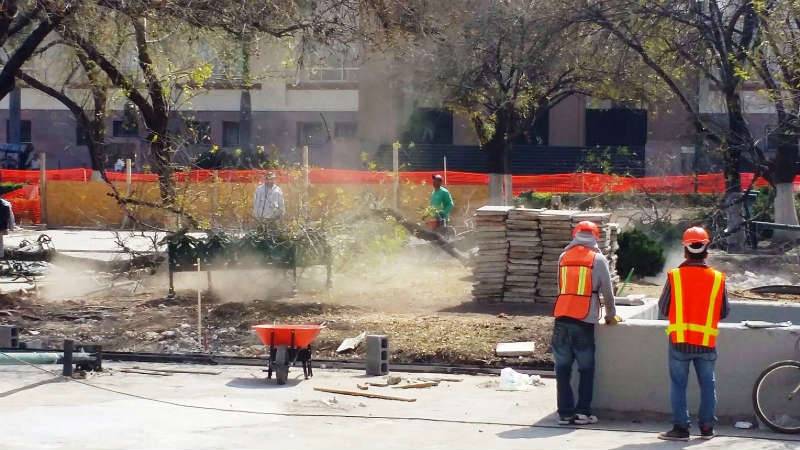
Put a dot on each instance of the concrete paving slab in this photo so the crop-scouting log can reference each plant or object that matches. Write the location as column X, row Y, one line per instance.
column 238, row 409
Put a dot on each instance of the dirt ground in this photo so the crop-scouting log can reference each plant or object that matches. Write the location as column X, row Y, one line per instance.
column 421, row 300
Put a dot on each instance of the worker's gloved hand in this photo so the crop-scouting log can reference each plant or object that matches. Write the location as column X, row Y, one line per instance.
column 613, row 320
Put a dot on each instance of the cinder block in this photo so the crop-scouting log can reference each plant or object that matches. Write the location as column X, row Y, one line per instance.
column 377, row 355
column 9, row 336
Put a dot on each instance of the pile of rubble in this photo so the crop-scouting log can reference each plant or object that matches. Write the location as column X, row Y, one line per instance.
column 524, row 267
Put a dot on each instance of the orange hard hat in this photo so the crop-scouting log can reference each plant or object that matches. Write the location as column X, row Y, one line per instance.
column 695, row 235
column 586, row 226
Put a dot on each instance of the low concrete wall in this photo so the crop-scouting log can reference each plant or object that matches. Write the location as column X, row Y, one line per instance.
column 632, row 374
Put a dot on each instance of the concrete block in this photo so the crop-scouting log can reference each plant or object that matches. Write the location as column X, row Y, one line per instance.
column 515, row 348
column 9, row 336
column 377, row 355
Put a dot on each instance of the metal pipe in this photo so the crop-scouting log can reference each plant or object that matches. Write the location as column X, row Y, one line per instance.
column 20, row 358
column 67, row 359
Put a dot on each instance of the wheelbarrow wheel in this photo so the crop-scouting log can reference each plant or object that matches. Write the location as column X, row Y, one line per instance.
column 281, row 364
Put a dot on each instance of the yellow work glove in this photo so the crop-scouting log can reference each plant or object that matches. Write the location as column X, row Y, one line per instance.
column 613, row 320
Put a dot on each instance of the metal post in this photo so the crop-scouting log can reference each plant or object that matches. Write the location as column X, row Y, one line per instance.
column 199, row 309
column 214, row 198
column 396, row 171
column 15, row 116
column 43, row 186
column 67, row 361
column 305, row 168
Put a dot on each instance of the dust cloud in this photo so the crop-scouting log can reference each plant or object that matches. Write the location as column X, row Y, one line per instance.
column 674, row 257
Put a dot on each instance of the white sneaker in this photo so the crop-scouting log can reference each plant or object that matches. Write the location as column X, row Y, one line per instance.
column 582, row 419
column 566, row 420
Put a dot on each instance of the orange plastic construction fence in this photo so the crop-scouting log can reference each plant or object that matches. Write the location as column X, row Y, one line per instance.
column 558, row 183
column 26, row 204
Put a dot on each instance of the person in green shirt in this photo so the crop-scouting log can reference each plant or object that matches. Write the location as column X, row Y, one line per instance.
column 441, row 201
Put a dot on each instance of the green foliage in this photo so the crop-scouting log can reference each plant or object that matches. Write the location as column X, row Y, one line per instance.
column 532, row 199
column 639, row 252
column 5, row 188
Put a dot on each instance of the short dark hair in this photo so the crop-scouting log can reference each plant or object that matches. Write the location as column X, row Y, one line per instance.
column 695, row 256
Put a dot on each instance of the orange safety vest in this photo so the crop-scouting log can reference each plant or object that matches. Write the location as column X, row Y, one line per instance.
column 695, row 305
column 575, row 287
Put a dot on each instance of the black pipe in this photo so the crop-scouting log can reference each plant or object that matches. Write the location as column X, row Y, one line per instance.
column 67, row 361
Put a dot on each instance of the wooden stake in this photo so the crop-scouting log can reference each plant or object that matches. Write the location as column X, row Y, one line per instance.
column 417, row 385
column 43, row 186
column 364, row 394
column 199, row 309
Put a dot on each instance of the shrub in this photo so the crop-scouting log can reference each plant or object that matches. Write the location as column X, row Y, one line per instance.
column 534, row 200
column 639, row 252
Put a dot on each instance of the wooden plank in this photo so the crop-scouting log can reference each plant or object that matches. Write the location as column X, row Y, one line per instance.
column 146, row 372
column 195, row 372
column 363, row 394
column 426, row 384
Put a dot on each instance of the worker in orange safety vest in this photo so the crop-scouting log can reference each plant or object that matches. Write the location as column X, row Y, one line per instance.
column 694, row 299
column 583, row 275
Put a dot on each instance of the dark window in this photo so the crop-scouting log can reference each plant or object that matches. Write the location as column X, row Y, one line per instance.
column 430, row 126
column 537, row 134
column 81, row 136
column 230, row 134
column 198, row 132
column 615, row 127
column 25, row 134
column 346, row 129
column 124, row 128
column 311, row 133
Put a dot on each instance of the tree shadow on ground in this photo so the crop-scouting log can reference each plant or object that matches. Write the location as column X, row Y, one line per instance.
column 511, row 309
column 262, row 382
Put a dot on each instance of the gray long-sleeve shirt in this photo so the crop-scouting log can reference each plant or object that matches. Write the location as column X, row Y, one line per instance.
column 664, row 302
column 601, row 278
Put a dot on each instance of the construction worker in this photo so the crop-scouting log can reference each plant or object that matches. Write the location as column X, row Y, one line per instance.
column 441, row 201
column 694, row 299
column 583, row 275
column 268, row 204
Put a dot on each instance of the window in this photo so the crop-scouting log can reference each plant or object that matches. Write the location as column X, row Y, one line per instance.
column 615, row 127
column 81, row 136
column 230, row 134
column 311, row 133
column 430, row 126
column 198, row 132
column 125, row 129
column 25, row 131
column 345, row 130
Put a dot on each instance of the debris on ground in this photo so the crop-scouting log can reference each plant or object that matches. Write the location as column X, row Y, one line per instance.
column 743, row 425
column 510, row 349
column 392, row 380
column 511, row 380
column 364, row 394
column 351, row 344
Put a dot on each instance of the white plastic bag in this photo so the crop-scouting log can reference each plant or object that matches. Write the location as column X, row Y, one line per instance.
column 511, row 380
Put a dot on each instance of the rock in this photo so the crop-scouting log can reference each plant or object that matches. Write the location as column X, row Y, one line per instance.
column 169, row 334
column 151, row 335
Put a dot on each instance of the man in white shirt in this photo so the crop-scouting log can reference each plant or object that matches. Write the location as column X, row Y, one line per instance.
column 268, row 202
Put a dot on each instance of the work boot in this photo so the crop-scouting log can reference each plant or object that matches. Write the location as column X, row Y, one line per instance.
column 566, row 420
column 678, row 433
column 583, row 419
column 707, row 432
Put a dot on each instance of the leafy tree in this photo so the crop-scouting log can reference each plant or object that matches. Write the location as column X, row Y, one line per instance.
column 684, row 43
column 506, row 64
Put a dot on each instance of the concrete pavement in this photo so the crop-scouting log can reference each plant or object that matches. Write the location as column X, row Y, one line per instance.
column 242, row 411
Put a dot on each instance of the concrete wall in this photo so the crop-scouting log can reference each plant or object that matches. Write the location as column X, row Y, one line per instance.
column 632, row 373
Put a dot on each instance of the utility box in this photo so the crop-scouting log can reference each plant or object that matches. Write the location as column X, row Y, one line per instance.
column 9, row 336
column 377, row 355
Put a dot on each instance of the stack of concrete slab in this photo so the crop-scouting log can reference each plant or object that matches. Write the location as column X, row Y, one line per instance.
column 490, row 265
column 613, row 229
column 556, row 231
column 524, row 255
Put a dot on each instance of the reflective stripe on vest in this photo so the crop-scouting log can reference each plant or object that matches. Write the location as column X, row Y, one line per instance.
column 583, row 280
column 680, row 327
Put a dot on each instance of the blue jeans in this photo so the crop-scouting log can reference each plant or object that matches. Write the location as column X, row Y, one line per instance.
column 679, row 378
column 573, row 342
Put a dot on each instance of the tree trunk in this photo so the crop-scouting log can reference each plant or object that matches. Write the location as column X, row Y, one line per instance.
column 499, row 153
column 739, row 140
column 162, row 164
column 784, row 171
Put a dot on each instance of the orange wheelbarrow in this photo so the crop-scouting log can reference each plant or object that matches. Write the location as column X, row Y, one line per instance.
column 287, row 345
